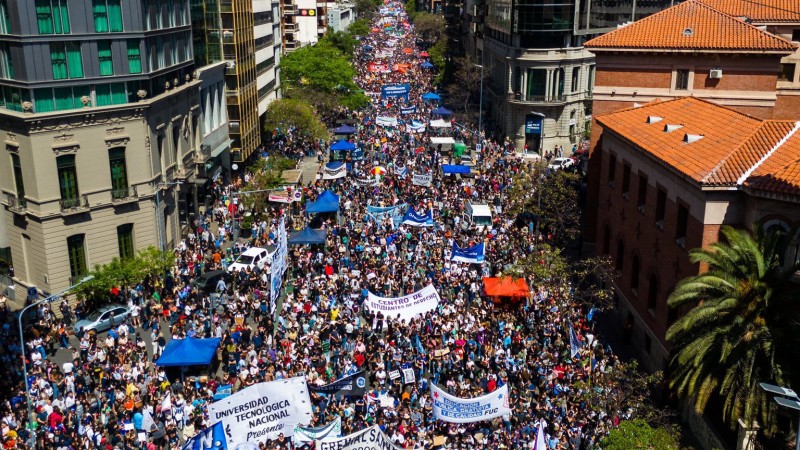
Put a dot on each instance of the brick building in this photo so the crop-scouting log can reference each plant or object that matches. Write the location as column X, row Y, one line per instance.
column 670, row 174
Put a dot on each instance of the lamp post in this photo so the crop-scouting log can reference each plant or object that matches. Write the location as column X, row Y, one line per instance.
column 162, row 232
column 22, row 347
column 788, row 399
column 480, row 101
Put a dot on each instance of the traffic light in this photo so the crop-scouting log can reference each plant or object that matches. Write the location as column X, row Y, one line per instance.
column 308, row 12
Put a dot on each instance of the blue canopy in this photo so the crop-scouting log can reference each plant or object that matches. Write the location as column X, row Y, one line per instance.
column 454, row 168
column 341, row 144
column 431, row 96
column 188, row 352
column 367, row 47
column 344, row 129
column 442, row 111
column 307, row 236
column 426, row 65
column 326, row 202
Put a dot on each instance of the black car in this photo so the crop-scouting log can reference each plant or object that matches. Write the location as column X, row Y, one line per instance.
column 207, row 282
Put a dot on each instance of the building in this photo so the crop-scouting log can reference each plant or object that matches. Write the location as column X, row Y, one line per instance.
column 671, row 173
column 540, row 76
column 689, row 49
column 303, row 23
column 340, row 15
column 213, row 157
column 268, row 52
column 100, row 122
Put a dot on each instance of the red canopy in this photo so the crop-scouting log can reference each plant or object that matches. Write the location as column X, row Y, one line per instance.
column 408, row 50
column 506, row 287
column 424, row 55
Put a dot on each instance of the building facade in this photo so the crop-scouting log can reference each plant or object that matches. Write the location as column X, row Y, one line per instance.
column 340, row 16
column 268, row 51
column 100, row 120
column 301, row 23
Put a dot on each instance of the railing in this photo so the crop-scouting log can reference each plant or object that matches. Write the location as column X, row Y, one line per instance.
column 292, row 45
column 127, row 193
column 291, row 27
column 16, row 204
column 289, row 9
column 537, row 98
column 78, row 203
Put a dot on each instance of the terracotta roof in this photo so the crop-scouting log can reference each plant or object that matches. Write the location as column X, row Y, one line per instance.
column 780, row 173
column 760, row 11
column 691, row 25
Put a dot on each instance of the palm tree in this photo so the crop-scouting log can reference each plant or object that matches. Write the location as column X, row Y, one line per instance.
column 741, row 328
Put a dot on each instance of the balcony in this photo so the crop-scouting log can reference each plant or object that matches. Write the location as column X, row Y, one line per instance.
column 202, row 154
column 292, row 45
column 16, row 204
column 182, row 173
column 537, row 99
column 124, row 195
column 75, row 205
column 290, row 27
column 290, row 10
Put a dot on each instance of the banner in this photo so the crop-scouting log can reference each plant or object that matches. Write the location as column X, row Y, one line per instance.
column 408, row 376
column 395, row 90
column 355, row 384
column 386, row 121
column 334, row 171
column 449, row 408
column 368, row 181
column 574, row 343
column 422, row 179
column 285, row 195
column 370, row 439
column 417, row 126
column 263, row 411
column 474, row 254
column 212, row 438
column 380, row 213
column 408, row 110
column 303, row 436
column 418, row 220
column 279, row 265
column 406, row 307
column 401, row 172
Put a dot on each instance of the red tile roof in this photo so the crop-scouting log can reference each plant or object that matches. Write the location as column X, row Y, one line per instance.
column 760, row 11
column 691, row 25
column 780, row 173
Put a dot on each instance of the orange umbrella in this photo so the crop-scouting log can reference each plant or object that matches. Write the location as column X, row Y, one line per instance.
column 375, row 30
column 408, row 51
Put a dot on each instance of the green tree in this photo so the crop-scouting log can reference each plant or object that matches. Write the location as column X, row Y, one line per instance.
column 638, row 434
column 430, row 27
column 320, row 67
column 125, row 273
column 411, row 9
column 343, row 41
column 439, row 58
column 266, row 174
column 286, row 113
column 359, row 27
column 742, row 328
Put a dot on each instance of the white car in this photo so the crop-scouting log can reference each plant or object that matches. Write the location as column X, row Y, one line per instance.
column 253, row 257
column 561, row 163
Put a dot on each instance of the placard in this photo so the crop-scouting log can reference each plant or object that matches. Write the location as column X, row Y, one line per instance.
column 406, row 307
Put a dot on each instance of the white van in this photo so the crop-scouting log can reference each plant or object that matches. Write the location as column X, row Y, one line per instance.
column 253, row 257
column 479, row 214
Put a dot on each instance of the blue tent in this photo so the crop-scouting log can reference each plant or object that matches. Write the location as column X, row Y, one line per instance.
column 341, row 144
column 454, row 168
column 344, row 129
column 188, row 352
column 307, row 236
column 442, row 111
column 426, row 65
column 326, row 202
column 431, row 96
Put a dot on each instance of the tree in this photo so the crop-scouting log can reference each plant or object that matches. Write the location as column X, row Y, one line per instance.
column 465, row 88
column 320, row 67
column 125, row 273
column 438, row 58
column 411, row 9
column 638, row 434
column 742, row 328
column 430, row 27
column 286, row 113
column 359, row 27
column 343, row 41
column 266, row 174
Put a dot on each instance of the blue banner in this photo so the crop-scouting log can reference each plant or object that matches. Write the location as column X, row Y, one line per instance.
column 418, row 220
column 474, row 254
column 379, row 214
column 533, row 124
column 212, row 438
column 408, row 110
column 395, row 90
column 223, row 391
column 574, row 344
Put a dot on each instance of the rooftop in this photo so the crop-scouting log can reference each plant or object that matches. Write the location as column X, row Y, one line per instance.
column 761, row 11
column 692, row 26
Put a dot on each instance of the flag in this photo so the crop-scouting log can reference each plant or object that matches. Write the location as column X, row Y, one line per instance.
column 539, row 444
column 590, row 315
column 147, row 420
column 212, row 438
column 166, row 404
column 574, row 344
column 474, row 254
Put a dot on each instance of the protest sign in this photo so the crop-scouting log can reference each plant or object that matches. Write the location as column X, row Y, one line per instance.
column 474, row 254
column 408, row 110
column 263, row 411
column 355, row 384
column 408, row 376
column 395, row 90
column 418, row 220
column 422, row 179
column 371, row 438
column 334, row 171
column 407, row 306
column 303, row 435
column 394, row 374
column 449, row 408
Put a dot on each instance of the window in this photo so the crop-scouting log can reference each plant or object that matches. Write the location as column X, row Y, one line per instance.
column 620, row 259
column 160, row 52
column 680, row 229
column 119, row 172
column 76, row 249
column 107, row 16
column 652, row 295
column 104, row 55
column 5, row 23
column 635, row 273
column 626, row 180
column 642, row 198
column 612, row 170
column 19, row 182
column 125, row 241
column 576, row 72
column 590, row 80
column 52, row 16
column 682, row 79
column 134, row 56
column 661, row 206
column 110, row 94
column 786, row 72
column 68, row 180
column 66, row 60
column 6, row 67
column 796, row 35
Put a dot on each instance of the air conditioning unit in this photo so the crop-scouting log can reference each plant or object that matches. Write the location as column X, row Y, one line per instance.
column 715, row 73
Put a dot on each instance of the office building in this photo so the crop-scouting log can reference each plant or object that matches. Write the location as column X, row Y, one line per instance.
column 268, row 51
column 304, row 22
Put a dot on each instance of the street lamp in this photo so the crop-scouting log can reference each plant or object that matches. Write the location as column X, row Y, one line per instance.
column 162, row 232
column 788, row 399
column 480, row 102
column 22, row 347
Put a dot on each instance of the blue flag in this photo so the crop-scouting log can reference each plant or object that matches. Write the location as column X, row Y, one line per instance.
column 591, row 314
column 418, row 220
column 574, row 344
column 474, row 254
column 212, row 438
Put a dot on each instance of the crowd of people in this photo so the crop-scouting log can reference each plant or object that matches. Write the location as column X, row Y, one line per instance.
column 98, row 396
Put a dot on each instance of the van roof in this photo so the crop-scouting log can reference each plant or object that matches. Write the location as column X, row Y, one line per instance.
column 253, row 251
column 481, row 210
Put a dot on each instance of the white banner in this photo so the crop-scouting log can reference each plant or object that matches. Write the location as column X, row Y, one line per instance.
column 333, row 173
column 408, row 376
column 406, row 307
column 370, row 439
column 263, row 411
column 303, row 436
column 422, row 179
column 279, row 264
column 449, row 408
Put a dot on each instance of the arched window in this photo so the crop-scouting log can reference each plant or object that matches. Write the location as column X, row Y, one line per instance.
column 652, row 294
column 635, row 273
column 620, row 261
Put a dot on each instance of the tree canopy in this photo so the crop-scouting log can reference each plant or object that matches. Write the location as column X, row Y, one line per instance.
column 430, row 27
column 286, row 113
column 638, row 434
column 125, row 273
column 266, row 174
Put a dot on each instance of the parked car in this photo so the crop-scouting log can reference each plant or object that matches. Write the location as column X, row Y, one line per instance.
column 103, row 319
column 207, row 282
column 253, row 257
column 561, row 163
